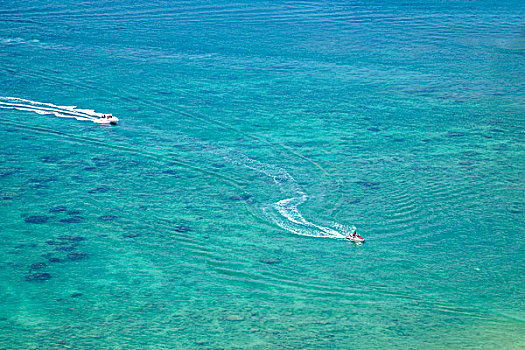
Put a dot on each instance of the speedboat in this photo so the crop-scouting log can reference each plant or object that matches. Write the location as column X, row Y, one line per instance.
column 356, row 239
column 108, row 119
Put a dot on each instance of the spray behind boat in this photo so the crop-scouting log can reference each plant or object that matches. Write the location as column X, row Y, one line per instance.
column 58, row 111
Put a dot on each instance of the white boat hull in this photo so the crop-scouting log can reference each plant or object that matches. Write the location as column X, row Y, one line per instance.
column 110, row 121
column 355, row 239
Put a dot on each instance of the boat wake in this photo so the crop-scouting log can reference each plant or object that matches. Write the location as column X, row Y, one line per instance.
column 285, row 213
column 49, row 108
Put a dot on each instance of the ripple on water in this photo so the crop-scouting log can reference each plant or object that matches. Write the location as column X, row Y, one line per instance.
column 401, row 211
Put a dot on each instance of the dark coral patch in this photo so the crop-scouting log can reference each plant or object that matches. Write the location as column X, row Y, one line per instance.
column 353, row 200
column 57, row 243
column 65, row 248
column 76, row 256
column 131, row 234
column 181, row 228
column 37, row 219
column 50, row 159
column 101, row 189
column 38, row 266
column 58, row 209
column 271, row 261
column 49, row 179
column 76, row 295
column 4, row 172
column 242, row 197
column 373, row 129
column 73, row 220
column 515, row 208
column 455, row 134
column 369, row 184
column 470, row 154
column 38, row 277
column 72, row 238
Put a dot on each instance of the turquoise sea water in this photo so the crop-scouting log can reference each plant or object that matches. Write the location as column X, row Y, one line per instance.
column 253, row 135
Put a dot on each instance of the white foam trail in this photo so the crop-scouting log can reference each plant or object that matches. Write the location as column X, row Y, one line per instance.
column 285, row 213
column 288, row 208
column 49, row 108
column 44, row 110
column 290, row 217
column 47, row 112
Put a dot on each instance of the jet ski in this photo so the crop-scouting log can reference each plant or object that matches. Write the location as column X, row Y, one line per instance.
column 108, row 119
column 354, row 236
column 357, row 238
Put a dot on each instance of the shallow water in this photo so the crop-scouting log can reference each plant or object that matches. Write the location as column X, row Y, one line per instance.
column 252, row 136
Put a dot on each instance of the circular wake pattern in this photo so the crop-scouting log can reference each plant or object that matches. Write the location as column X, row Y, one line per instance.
column 285, row 213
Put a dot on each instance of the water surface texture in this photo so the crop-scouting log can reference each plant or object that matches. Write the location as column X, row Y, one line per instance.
column 253, row 135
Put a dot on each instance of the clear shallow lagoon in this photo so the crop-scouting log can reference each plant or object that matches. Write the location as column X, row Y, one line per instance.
column 405, row 120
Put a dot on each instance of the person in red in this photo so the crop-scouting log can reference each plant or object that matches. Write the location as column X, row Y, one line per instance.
column 352, row 235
